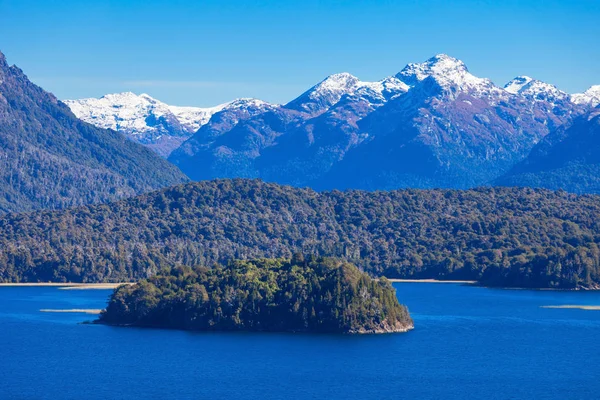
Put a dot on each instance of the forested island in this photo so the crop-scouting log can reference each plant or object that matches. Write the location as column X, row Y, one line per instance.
column 275, row 295
column 513, row 237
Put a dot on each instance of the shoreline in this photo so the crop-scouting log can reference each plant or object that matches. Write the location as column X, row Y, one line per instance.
column 429, row 281
column 67, row 285
column 94, row 311
column 576, row 307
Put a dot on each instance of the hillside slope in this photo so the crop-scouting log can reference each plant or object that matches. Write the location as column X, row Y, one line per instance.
column 567, row 159
column 498, row 236
column 50, row 159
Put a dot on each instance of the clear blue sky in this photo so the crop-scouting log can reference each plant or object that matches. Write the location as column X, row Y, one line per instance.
column 206, row 52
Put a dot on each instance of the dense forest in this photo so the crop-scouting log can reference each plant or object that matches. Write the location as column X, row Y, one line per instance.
column 49, row 159
column 498, row 236
column 298, row 295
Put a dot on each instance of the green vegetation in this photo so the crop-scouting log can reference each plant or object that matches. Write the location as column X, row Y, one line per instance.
column 49, row 159
column 498, row 236
column 316, row 295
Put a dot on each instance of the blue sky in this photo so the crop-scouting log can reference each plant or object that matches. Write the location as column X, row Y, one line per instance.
column 207, row 52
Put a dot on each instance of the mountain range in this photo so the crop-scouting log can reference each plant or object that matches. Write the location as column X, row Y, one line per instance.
column 144, row 119
column 50, row 159
column 433, row 124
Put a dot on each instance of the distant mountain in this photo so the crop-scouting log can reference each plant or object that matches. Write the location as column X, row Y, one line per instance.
column 568, row 159
column 451, row 129
column 433, row 124
column 293, row 143
column 50, row 159
column 589, row 97
column 144, row 119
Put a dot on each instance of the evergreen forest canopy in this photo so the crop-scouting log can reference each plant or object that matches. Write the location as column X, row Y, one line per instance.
column 49, row 159
column 518, row 237
column 315, row 295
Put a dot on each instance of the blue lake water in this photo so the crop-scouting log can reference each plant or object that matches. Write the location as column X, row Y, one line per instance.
column 469, row 342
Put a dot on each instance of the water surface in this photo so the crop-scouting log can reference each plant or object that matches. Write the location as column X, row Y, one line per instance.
column 469, row 342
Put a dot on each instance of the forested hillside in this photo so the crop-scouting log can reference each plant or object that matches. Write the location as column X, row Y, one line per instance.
column 567, row 159
column 50, row 159
column 298, row 295
column 499, row 236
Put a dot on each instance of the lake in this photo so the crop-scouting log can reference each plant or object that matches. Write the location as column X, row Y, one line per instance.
column 468, row 342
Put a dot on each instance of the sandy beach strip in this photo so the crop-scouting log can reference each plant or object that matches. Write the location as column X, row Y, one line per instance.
column 68, row 286
column 74, row 310
column 428, row 281
column 572, row 306
column 95, row 286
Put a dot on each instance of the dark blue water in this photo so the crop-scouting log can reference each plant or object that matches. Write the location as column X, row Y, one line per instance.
column 469, row 342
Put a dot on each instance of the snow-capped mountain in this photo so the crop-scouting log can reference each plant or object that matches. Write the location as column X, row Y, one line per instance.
column 590, row 97
column 328, row 92
column 277, row 137
column 535, row 90
column 144, row 119
column 223, row 121
column 432, row 124
column 449, row 73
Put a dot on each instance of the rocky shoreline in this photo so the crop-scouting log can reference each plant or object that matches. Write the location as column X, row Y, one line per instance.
column 386, row 327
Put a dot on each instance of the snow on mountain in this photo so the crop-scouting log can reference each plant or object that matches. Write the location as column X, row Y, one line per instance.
column 329, row 91
column 589, row 97
column 383, row 90
column 448, row 121
column 128, row 112
column 535, row 90
column 517, row 84
column 195, row 117
column 143, row 118
column 448, row 72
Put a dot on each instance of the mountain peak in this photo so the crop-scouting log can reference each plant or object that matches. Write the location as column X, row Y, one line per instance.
column 446, row 62
column 341, row 80
column 325, row 93
column 535, row 89
column 446, row 70
column 245, row 102
column 439, row 65
column 516, row 84
column 589, row 97
column 120, row 96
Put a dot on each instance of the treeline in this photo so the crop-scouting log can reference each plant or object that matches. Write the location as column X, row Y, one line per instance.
column 313, row 295
column 498, row 236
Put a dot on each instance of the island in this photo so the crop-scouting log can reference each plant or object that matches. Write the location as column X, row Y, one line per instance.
column 323, row 295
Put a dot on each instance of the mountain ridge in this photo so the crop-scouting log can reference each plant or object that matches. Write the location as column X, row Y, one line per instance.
column 51, row 159
column 430, row 125
column 444, row 121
